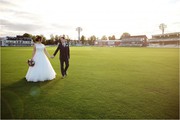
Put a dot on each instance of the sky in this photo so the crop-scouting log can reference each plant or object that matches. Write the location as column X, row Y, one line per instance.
column 95, row 17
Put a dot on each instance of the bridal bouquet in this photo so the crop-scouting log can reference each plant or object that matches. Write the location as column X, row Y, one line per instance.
column 31, row 62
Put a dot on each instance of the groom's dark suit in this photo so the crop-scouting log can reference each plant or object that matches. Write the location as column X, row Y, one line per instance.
column 64, row 57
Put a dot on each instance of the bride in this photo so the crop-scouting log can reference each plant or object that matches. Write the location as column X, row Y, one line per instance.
column 42, row 70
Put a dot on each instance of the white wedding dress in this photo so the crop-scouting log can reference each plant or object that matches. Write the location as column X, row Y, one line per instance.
column 42, row 70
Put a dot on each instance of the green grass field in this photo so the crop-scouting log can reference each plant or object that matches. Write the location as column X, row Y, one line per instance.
column 102, row 83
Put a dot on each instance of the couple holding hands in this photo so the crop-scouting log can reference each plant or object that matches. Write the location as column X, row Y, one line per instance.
column 42, row 70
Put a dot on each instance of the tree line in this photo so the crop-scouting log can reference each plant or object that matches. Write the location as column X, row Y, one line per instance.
column 54, row 39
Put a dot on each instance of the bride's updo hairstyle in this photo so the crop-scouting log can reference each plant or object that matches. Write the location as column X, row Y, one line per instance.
column 38, row 38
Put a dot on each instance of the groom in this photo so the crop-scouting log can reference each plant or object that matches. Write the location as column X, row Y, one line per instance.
column 64, row 55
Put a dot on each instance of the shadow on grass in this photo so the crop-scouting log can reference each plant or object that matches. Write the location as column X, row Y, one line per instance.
column 15, row 96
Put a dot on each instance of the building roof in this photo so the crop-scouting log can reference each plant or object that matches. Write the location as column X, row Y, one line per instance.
column 166, row 34
column 136, row 36
column 19, row 38
column 108, row 40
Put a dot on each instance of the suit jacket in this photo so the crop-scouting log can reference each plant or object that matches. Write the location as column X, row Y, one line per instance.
column 64, row 51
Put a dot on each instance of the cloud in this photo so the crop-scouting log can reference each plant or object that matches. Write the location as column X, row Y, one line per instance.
column 15, row 12
column 108, row 17
column 18, row 14
column 173, row 1
column 7, row 25
column 176, row 23
column 7, row 3
column 12, row 28
column 57, row 26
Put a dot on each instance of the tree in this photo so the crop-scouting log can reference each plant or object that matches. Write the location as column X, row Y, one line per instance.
column 112, row 37
column 79, row 29
column 27, row 35
column 67, row 37
column 104, row 37
column 125, row 35
column 52, row 37
column 93, row 37
column 34, row 38
column 56, row 38
column 83, row 39
column 162, row 26
column 43, row 39
column 91, row 40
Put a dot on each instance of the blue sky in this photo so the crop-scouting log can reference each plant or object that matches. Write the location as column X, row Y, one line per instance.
column 96, row 17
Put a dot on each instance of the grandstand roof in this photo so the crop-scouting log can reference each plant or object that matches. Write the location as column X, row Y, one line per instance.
column 136, row 36
column 167, row 34
column 19, row 38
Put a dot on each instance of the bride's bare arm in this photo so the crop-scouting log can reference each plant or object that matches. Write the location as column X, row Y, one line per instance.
column 47, row 54
column 34, row 51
